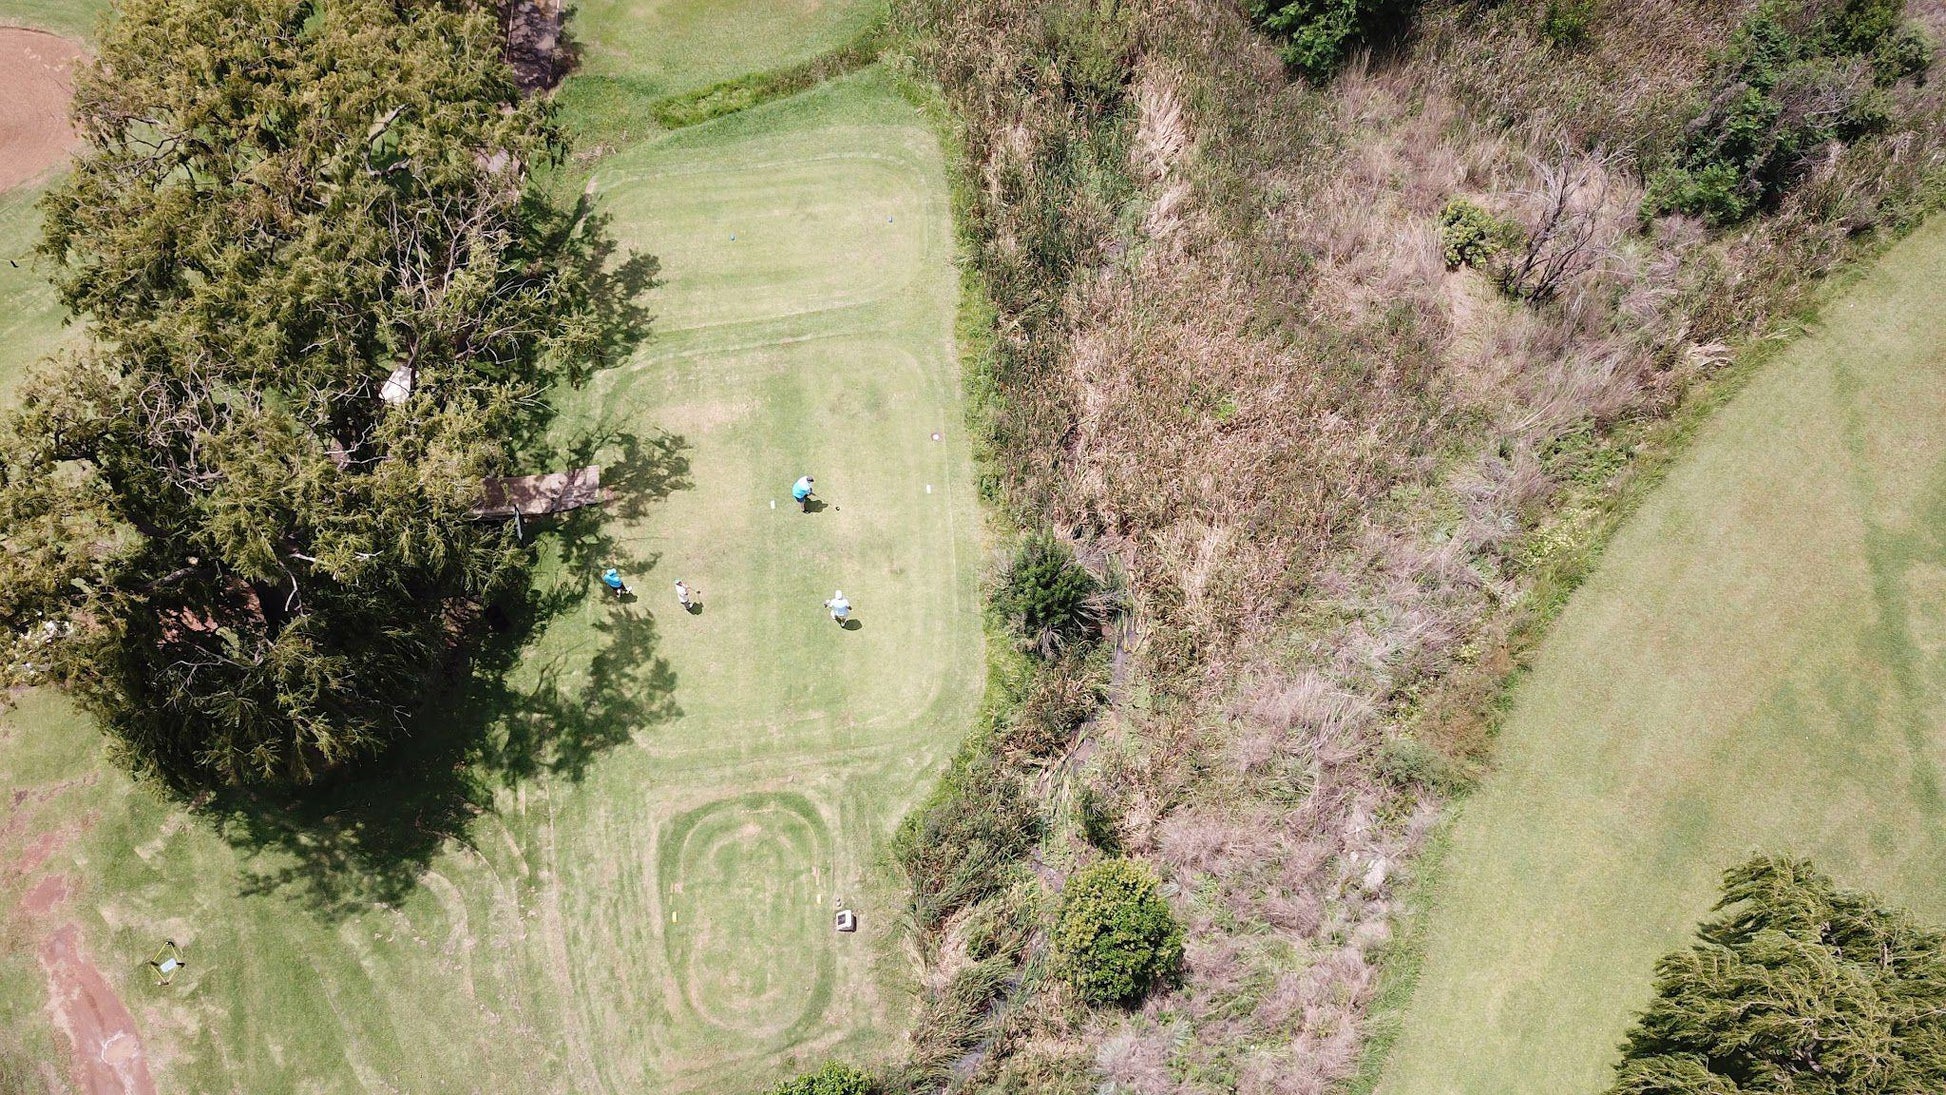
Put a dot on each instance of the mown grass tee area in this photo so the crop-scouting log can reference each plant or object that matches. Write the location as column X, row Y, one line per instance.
column 1759, row 663
column 630, row 885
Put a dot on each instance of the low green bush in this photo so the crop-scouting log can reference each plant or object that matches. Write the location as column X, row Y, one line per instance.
column 1469, row 235
column 1115, row 938
column 1049, row 598
column 1410, row 764
column 1317, row 35
column 1099, row 821
column 1565, row 22
column 1907, row 52
column 1797, row 75
column 1094, row 48
column 1061, row 699
column 956, row 848
column 832, row 1079
column 756, row 88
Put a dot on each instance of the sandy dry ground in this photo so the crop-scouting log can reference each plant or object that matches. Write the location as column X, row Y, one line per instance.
column 36, row 78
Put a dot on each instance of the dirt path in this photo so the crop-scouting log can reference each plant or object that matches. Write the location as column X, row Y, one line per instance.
column 108, row 1054
column 36, row 79
column 108, row 1057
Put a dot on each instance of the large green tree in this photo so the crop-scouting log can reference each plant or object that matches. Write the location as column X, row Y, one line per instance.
column 219, row 528
column 1798, row 987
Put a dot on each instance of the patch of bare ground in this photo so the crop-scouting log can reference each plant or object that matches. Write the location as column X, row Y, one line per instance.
column 1231, row 356
column 35, row 84
column 107, row 1053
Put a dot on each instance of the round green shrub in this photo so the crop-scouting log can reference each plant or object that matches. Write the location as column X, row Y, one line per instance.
column 832, row 1079
column 1469, row 235
column 1115, row 938
column 1049, row 598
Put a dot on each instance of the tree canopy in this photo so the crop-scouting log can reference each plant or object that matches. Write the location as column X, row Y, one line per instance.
column 220, row 526
column 1797, row 987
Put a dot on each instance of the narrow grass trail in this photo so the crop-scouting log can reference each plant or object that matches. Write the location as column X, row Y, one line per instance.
column 1759, row 663
column 640, row 895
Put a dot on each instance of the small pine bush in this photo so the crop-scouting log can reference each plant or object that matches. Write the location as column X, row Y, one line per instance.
column 1115, row 937
column 1565, row 22
column 1470, row 235
column 1051, row 600
column 832, row 1079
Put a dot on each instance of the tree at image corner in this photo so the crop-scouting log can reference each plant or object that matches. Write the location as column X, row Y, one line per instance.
column 1115, row 937
column 1796, row 986
column 324, row 298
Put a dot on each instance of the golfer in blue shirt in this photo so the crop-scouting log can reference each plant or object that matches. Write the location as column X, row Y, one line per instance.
column 612, row 578
column 802, row 491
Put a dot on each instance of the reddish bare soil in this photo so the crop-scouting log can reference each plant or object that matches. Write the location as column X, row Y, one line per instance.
column 108, row 1055
column 36, row 79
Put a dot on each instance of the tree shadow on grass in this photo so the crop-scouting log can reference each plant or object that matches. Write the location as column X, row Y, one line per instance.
column 512, row 711
column 637, row 469
column 495, row 717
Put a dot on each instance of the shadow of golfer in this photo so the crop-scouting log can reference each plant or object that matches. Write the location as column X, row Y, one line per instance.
column 852, row 625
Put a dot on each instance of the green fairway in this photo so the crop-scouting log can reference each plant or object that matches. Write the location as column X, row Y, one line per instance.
column 675, row 804
column 1759, row 663
column 664, row 47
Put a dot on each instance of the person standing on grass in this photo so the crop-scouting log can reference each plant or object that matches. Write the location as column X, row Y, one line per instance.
column 682, row 596
column 802, row 491
column 840, row 608
column 612, row 578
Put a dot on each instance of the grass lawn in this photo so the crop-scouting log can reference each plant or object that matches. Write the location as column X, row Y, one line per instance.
column 30, row 324
column 74, row 18
column 630, row 885
column 1759, row 663
column 665, row 47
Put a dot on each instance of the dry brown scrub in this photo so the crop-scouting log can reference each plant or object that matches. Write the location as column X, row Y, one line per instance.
column 1334, row 470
